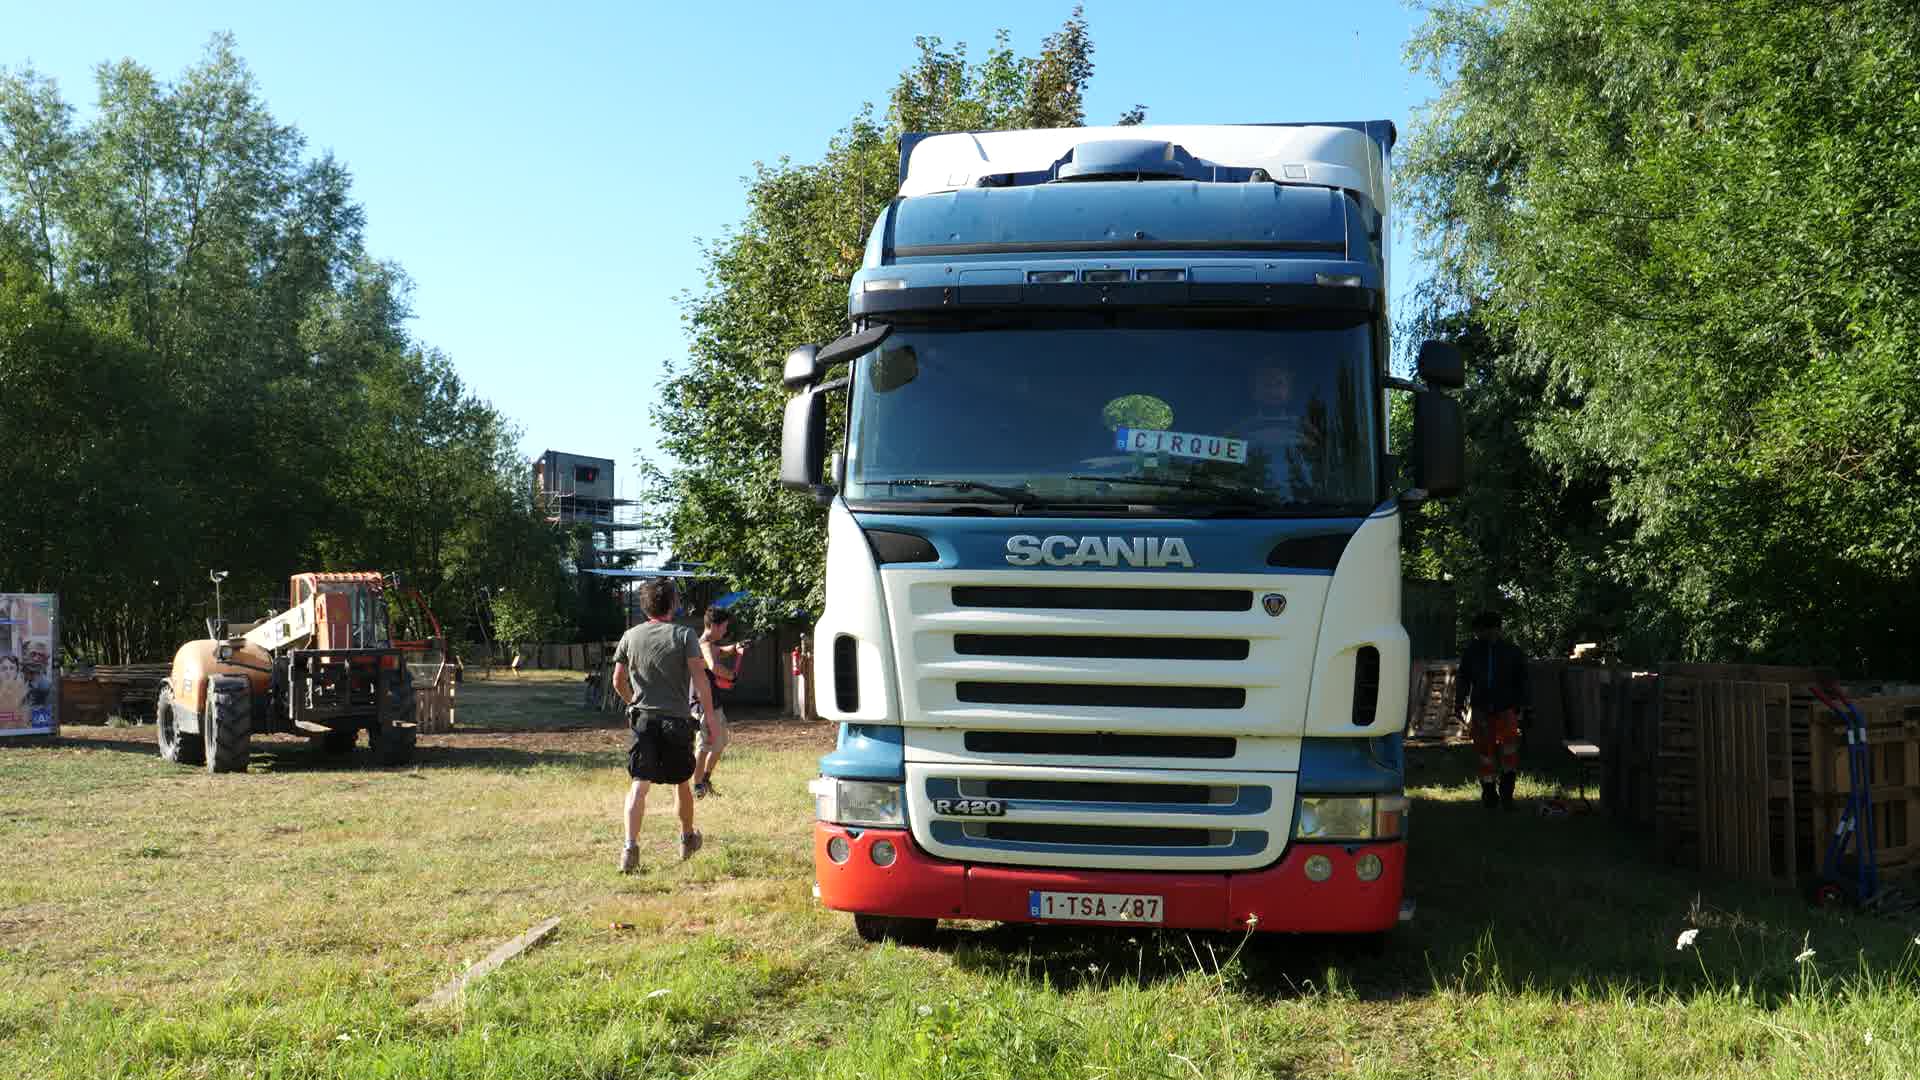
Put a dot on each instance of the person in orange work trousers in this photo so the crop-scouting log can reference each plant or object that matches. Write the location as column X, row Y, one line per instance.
column 1493, row 679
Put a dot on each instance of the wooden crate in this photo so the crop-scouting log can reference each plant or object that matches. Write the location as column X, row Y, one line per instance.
column 86, row 700
column 434, row 692
column 1893, row 754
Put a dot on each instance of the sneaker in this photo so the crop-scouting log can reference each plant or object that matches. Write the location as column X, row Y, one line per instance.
column 629, row 858
column 689, row 843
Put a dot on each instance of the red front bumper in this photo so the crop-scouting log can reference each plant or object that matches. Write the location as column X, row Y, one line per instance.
column 1279, row 898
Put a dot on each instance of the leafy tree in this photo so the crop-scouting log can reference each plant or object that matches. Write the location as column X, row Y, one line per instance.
column 1694, row 225
column 780, row 279
column 201, row 368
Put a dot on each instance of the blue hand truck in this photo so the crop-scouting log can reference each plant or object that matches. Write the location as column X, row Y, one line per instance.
column 1855, row 825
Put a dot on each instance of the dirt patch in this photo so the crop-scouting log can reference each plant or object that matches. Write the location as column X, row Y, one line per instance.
column 761, row 729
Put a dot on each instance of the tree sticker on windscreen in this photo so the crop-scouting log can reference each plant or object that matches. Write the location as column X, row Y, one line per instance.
column 1180, row 444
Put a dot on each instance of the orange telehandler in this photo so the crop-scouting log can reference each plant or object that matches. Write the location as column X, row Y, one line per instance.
column 327, row 668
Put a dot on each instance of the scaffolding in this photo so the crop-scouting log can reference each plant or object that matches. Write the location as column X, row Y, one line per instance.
column 574, row 489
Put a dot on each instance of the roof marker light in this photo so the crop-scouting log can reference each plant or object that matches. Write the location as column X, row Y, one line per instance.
column 892, row 284
column 1103, row 276
column 1163, row 275
column 1345, row 281
column 1050, row 277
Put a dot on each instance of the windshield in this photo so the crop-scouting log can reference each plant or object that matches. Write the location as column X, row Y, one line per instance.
column 1156, row 419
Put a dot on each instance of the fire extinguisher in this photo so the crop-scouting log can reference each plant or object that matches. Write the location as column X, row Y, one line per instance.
column 796, row 659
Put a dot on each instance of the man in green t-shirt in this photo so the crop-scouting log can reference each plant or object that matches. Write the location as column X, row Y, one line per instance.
column 657, row 664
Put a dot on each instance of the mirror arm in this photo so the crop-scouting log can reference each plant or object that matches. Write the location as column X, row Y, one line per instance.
column 833, row 384
column 1395, row 383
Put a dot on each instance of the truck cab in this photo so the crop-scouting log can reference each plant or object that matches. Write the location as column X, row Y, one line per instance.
column 1112, row 626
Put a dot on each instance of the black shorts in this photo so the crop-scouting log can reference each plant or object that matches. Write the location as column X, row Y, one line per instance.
column 658, row 757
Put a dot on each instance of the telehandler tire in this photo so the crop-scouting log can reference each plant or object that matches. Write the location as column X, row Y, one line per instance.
column 176, row 746
column 227, row 724
column 393, row 740
column 393, row 743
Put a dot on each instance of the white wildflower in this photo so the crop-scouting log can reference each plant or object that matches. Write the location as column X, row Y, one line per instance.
column 1869, row 1038
column 1805, row 955
column 1686, row 938
column 925, row 1010
column 662, row 992
column 343, row 1037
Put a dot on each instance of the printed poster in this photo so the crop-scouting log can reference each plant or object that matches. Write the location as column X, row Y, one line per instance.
column 29, row 677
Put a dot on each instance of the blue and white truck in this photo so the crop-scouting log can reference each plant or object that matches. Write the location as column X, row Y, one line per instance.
column 1112, row 630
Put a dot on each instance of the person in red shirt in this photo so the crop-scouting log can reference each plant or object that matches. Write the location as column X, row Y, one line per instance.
column 723, row 667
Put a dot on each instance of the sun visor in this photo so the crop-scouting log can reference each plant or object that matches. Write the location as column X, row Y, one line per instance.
column 1120, row 216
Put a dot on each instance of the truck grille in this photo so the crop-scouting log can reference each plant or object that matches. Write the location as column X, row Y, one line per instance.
column 1100, row 646
column 1101, row 599
column 1098, row 744
column 1107, row 818
column 1101, row 835
column 1097, row 695
column 1126, row 719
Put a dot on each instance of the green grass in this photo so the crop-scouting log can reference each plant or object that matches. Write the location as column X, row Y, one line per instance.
column 155, row 921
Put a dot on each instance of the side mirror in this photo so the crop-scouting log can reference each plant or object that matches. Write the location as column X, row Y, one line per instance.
column 803, row 439
column 803, row 367
column 1441, row 467
column 1440, row 364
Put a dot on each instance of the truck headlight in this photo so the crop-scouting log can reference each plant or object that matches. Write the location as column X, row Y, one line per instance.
column 857, row 802
column 1351, row 817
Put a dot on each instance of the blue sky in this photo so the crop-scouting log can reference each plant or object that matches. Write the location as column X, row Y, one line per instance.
column 545, row 173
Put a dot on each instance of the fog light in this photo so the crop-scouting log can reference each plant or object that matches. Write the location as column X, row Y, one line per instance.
column 1368, row 867
column 837, row 849
column 1319, row 868
column 883, row 853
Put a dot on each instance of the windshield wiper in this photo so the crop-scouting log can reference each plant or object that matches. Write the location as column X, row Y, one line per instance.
column 1245, row 496
column 1011, row 494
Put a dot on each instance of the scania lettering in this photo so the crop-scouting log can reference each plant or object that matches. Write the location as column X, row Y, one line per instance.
column 1112, row 628
column 1103, row 551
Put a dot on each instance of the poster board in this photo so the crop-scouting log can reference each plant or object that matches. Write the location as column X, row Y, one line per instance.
column 29, row 659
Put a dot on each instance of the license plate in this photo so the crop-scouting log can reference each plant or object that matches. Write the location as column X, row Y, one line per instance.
column 969, row 808
column 1094, row 907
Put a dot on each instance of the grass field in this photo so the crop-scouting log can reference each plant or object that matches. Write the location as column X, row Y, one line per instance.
column 155, row 921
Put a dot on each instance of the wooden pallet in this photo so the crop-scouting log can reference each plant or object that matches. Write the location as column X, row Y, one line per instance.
column 1430, row 705
column 1729, row 789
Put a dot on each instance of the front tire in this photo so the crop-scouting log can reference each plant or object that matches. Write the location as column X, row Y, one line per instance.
column 339, row 742
column 893, row 928
column 227, row 725
column 176, row 746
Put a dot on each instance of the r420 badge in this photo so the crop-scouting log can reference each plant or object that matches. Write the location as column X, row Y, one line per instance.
column 969, row 807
